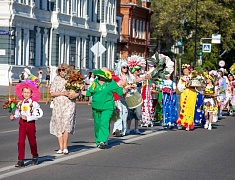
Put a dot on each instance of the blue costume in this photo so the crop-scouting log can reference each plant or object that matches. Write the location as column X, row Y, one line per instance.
column 169, row 103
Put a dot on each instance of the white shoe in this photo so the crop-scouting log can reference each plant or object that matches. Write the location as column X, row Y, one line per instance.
column 128, row 131
column 65, row 151
column 59, row 152
column 137, row 131
column 206, row 125
column 210, row 127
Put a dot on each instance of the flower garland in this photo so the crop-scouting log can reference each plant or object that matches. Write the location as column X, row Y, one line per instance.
column 25, row 107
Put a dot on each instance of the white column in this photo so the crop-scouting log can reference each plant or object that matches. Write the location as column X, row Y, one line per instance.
column 84, row 53
column 18, row 46
column 61, row 6
column 38, row 47
column 108, row 54
column 79, row 8
column 90, row 53
column 77, row 59
column 67, row 7
column 45, row 50
column 61, row 49
column 26, row 47
column 85, row 8
column 112, row 55
column 95, row 10
column 96, row 58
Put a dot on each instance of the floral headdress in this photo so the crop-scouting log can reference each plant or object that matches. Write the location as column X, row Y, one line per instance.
column 232, row 69
column 208, row 76
column 187, row 66
column 32, row 83
column 106, row 74
column 135, row 63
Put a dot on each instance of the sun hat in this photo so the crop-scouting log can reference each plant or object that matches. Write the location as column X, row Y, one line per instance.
column 32, row 83
column 104, row 73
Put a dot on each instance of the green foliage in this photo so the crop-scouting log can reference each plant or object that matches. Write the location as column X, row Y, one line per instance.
column 159, row 71
column 174, row 19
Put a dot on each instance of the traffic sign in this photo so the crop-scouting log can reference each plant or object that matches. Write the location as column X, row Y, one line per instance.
column 98, row 49
column 221, row 63
column 206, row 48
column 216, row 38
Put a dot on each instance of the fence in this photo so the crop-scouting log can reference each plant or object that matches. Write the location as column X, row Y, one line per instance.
column 45, row 94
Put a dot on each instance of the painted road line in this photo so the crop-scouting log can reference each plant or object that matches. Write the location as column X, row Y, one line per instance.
column 76, row 155
column 9, row 131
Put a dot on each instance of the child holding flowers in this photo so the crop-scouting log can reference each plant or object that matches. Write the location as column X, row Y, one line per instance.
column 27, row 111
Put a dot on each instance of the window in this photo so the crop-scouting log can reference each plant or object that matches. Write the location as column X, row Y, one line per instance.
column 32, row 45
column 72, row 50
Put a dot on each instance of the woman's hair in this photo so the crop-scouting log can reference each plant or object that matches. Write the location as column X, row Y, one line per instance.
column 63, row 66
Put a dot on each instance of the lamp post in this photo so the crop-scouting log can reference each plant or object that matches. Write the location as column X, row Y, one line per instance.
column 195, row 41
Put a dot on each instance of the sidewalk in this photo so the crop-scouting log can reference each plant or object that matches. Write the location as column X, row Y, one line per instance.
column 3, row 90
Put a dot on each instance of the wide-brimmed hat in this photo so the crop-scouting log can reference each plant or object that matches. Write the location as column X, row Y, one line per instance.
column 32, row 83
column 106, row 74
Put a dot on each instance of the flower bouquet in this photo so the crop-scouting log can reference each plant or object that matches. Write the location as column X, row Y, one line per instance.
column 10, row 104
column 74, row 82
column 195, row 79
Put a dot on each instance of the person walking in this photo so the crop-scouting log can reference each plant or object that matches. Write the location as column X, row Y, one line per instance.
column 63, row 113
column 40, row 73
column 48, row 76
column 28, row 111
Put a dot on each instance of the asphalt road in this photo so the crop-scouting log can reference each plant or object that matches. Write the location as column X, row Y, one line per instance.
column 155, row 154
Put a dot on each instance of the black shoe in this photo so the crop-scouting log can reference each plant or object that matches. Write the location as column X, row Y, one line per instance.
column 35, row 160
column 20, row 164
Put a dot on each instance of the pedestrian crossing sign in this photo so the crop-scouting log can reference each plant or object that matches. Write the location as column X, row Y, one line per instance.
column 206, row 48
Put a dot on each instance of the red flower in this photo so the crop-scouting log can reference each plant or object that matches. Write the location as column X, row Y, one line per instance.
column 184, row 102
column 178, row 122
column 183, row 106
column 185, row 124
column 191, row 126
column 182, row 111
column 181, row 116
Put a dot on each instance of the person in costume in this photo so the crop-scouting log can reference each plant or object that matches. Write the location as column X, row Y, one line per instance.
column 63, row 113
column 27, row 111
column 122, row 71
column 209, row 107
column 187, row 100
column 135, row 63
column 229, row 92
column 169, row 102
column 221, row 92
column 103, row 105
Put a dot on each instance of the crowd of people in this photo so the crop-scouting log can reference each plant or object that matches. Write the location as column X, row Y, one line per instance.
column 127, row 93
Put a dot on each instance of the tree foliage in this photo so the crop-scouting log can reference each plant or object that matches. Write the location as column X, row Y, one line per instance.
column 176, row 19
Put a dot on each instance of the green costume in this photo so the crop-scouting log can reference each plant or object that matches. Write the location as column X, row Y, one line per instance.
column 103, row 106
column 158, row 108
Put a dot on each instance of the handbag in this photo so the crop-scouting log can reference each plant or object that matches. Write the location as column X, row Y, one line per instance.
column 52, row 104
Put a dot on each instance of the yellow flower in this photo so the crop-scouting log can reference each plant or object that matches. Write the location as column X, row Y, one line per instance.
column 25, row 108
column 108, row 74
column 93, row 85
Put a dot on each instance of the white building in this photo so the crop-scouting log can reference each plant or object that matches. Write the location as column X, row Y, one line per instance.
column 41, row 33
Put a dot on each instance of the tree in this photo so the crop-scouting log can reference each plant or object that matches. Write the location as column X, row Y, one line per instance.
column 174, row 19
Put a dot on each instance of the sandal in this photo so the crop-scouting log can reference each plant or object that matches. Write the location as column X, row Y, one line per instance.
column 20, row 164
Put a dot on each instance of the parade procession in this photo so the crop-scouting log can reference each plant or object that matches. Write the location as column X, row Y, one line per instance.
column 117, row 89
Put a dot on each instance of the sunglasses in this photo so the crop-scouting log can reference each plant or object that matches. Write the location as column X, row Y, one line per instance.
column 125, row 67
column 59, row 70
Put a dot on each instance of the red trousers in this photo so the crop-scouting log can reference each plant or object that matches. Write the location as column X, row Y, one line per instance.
column 27, row 129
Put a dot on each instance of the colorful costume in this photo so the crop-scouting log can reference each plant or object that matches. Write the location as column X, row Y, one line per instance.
column 169, row 103
column 103, row 104
column 187, row 103
column 31, row 109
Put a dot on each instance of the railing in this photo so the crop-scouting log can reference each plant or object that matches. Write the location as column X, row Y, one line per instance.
column 45, row 94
